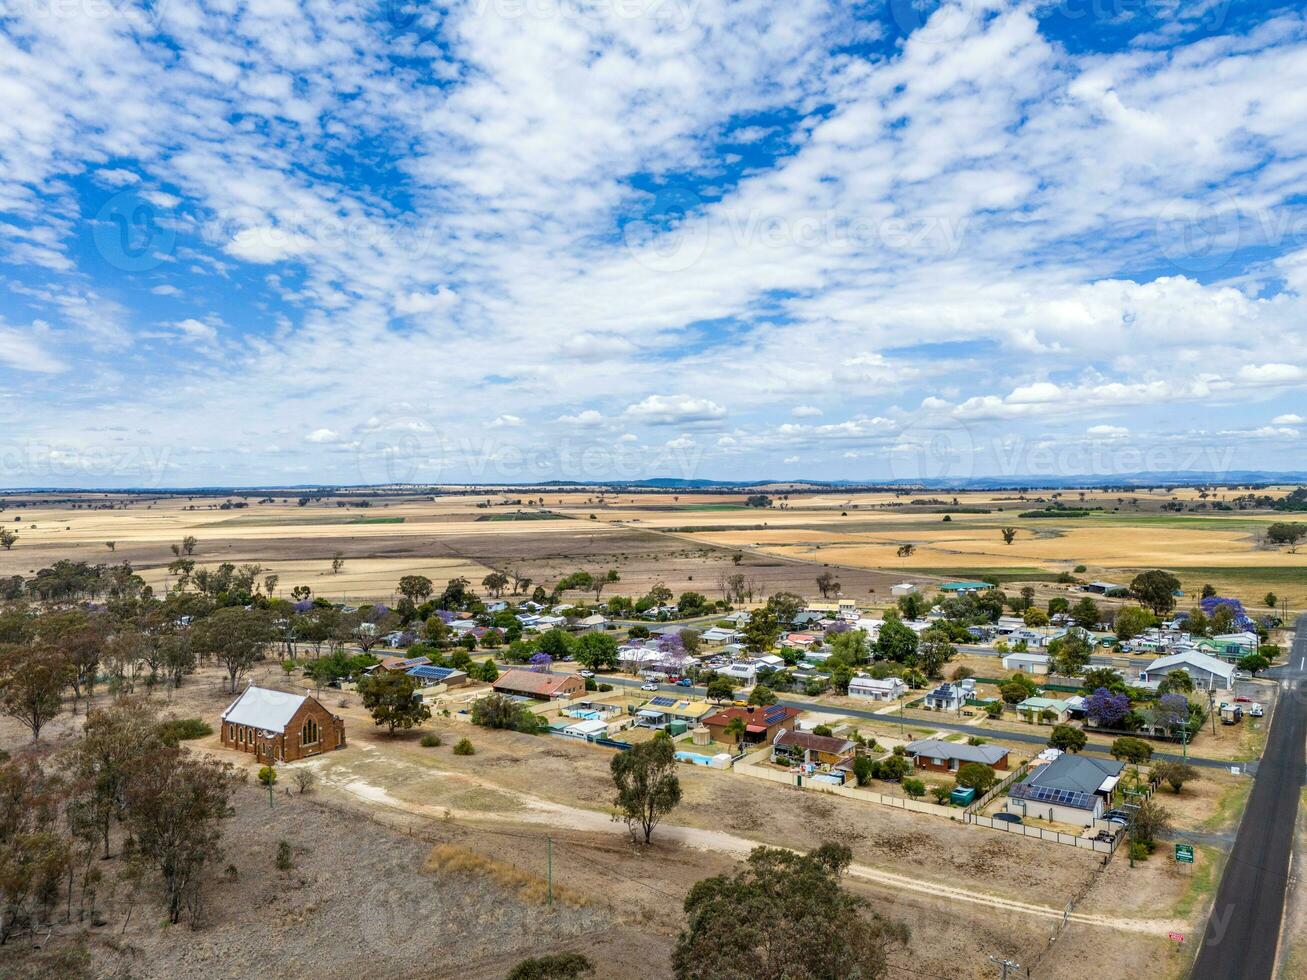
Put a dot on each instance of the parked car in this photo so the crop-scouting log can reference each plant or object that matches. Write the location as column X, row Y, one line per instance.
column 1008, row 817
column 1119, row 817
column 685, row 682
column 1243, row 698
column 1256, row 710
column 586, row 673
column 648, row 686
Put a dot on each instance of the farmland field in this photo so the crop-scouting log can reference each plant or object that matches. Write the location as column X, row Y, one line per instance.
column 646, row 537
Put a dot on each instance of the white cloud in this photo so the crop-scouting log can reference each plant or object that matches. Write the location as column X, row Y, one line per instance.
column 1108, row 431
column 675, row 410
column 790, row 459
column 195, row 331
column 806, row 412
column 116, row 177
column 1289, row 419
column 587, row 419
column 323, row 436
column 416, row 303
column 506, row 422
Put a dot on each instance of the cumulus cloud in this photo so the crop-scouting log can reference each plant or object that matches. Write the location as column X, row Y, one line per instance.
column 323, row 436
column 587, row 419
column 675, row 410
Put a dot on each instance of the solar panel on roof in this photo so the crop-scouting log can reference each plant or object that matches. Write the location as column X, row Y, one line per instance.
column 1055, row 795
column 663, row 701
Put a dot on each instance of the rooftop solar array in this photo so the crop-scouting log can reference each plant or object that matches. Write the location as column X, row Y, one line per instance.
column 663, row 701
column 773, row 714
column 1051, row 794
column 426, row 670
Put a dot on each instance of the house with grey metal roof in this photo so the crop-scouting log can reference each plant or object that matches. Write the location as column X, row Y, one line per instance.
column 940, row 756
column 1072, row 789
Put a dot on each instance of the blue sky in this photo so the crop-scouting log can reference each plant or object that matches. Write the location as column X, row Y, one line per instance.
column 520, row 240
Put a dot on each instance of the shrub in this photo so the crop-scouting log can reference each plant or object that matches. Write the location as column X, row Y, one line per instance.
column 430, row 741
column 464, row 747
column 1139, row 851
column 285, row 860
column 267, row 776
column 605, row 687
column 977, row 776
column 556, row 966
column 176, row 730
column 864, row 768
column 941, row 794
column 915, row 788
column 304, row 779
column 1080, row 568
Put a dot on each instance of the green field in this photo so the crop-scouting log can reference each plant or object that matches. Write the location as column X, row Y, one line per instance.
column 305, row 520
column 1002, row 574
column 525, row 515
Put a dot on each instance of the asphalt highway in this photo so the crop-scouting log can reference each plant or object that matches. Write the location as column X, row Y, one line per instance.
column 1244, row 926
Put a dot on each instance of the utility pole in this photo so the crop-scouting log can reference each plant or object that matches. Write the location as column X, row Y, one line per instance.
column 1006, row 965
column 550, row 863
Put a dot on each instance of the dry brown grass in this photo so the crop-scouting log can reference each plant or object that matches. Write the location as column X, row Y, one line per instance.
column 531, row 888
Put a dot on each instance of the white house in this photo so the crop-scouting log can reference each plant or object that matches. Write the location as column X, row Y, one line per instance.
column 718, row 634
column 902, row 589
column 595, row 622
column 1027, row 663
column 1208, row 673
column 946, row 697
column 877, row 689
column 741, row 670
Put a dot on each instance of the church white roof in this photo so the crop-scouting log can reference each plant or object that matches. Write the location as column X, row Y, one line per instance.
column 262, row 708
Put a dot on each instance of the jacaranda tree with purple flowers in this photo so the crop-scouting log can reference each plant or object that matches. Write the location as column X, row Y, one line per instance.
column 1106, row 709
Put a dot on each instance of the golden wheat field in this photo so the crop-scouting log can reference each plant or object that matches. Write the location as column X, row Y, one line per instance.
column 659, row 536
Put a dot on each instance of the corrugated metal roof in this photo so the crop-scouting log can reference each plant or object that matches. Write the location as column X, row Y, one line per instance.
column 262, row 708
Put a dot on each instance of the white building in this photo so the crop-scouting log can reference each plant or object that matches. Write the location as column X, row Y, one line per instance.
column 1027, row 663
column 877, row 689
column 1208, row 673
column 902, row 589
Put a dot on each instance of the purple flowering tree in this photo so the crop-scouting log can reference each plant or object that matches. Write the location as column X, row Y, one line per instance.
column 1106, row 709
column 671, row 644
column 1172, row 710
column 542, row 662
column 839, row 626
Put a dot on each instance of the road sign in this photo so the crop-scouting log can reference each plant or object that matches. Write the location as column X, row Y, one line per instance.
column 1175, row 936
column 1184, row 853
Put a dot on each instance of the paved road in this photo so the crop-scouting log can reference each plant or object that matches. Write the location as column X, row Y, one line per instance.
column 1030, row 738
column 1243, row 930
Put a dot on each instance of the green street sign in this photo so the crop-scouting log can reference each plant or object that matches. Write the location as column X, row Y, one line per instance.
column 1184, row 853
